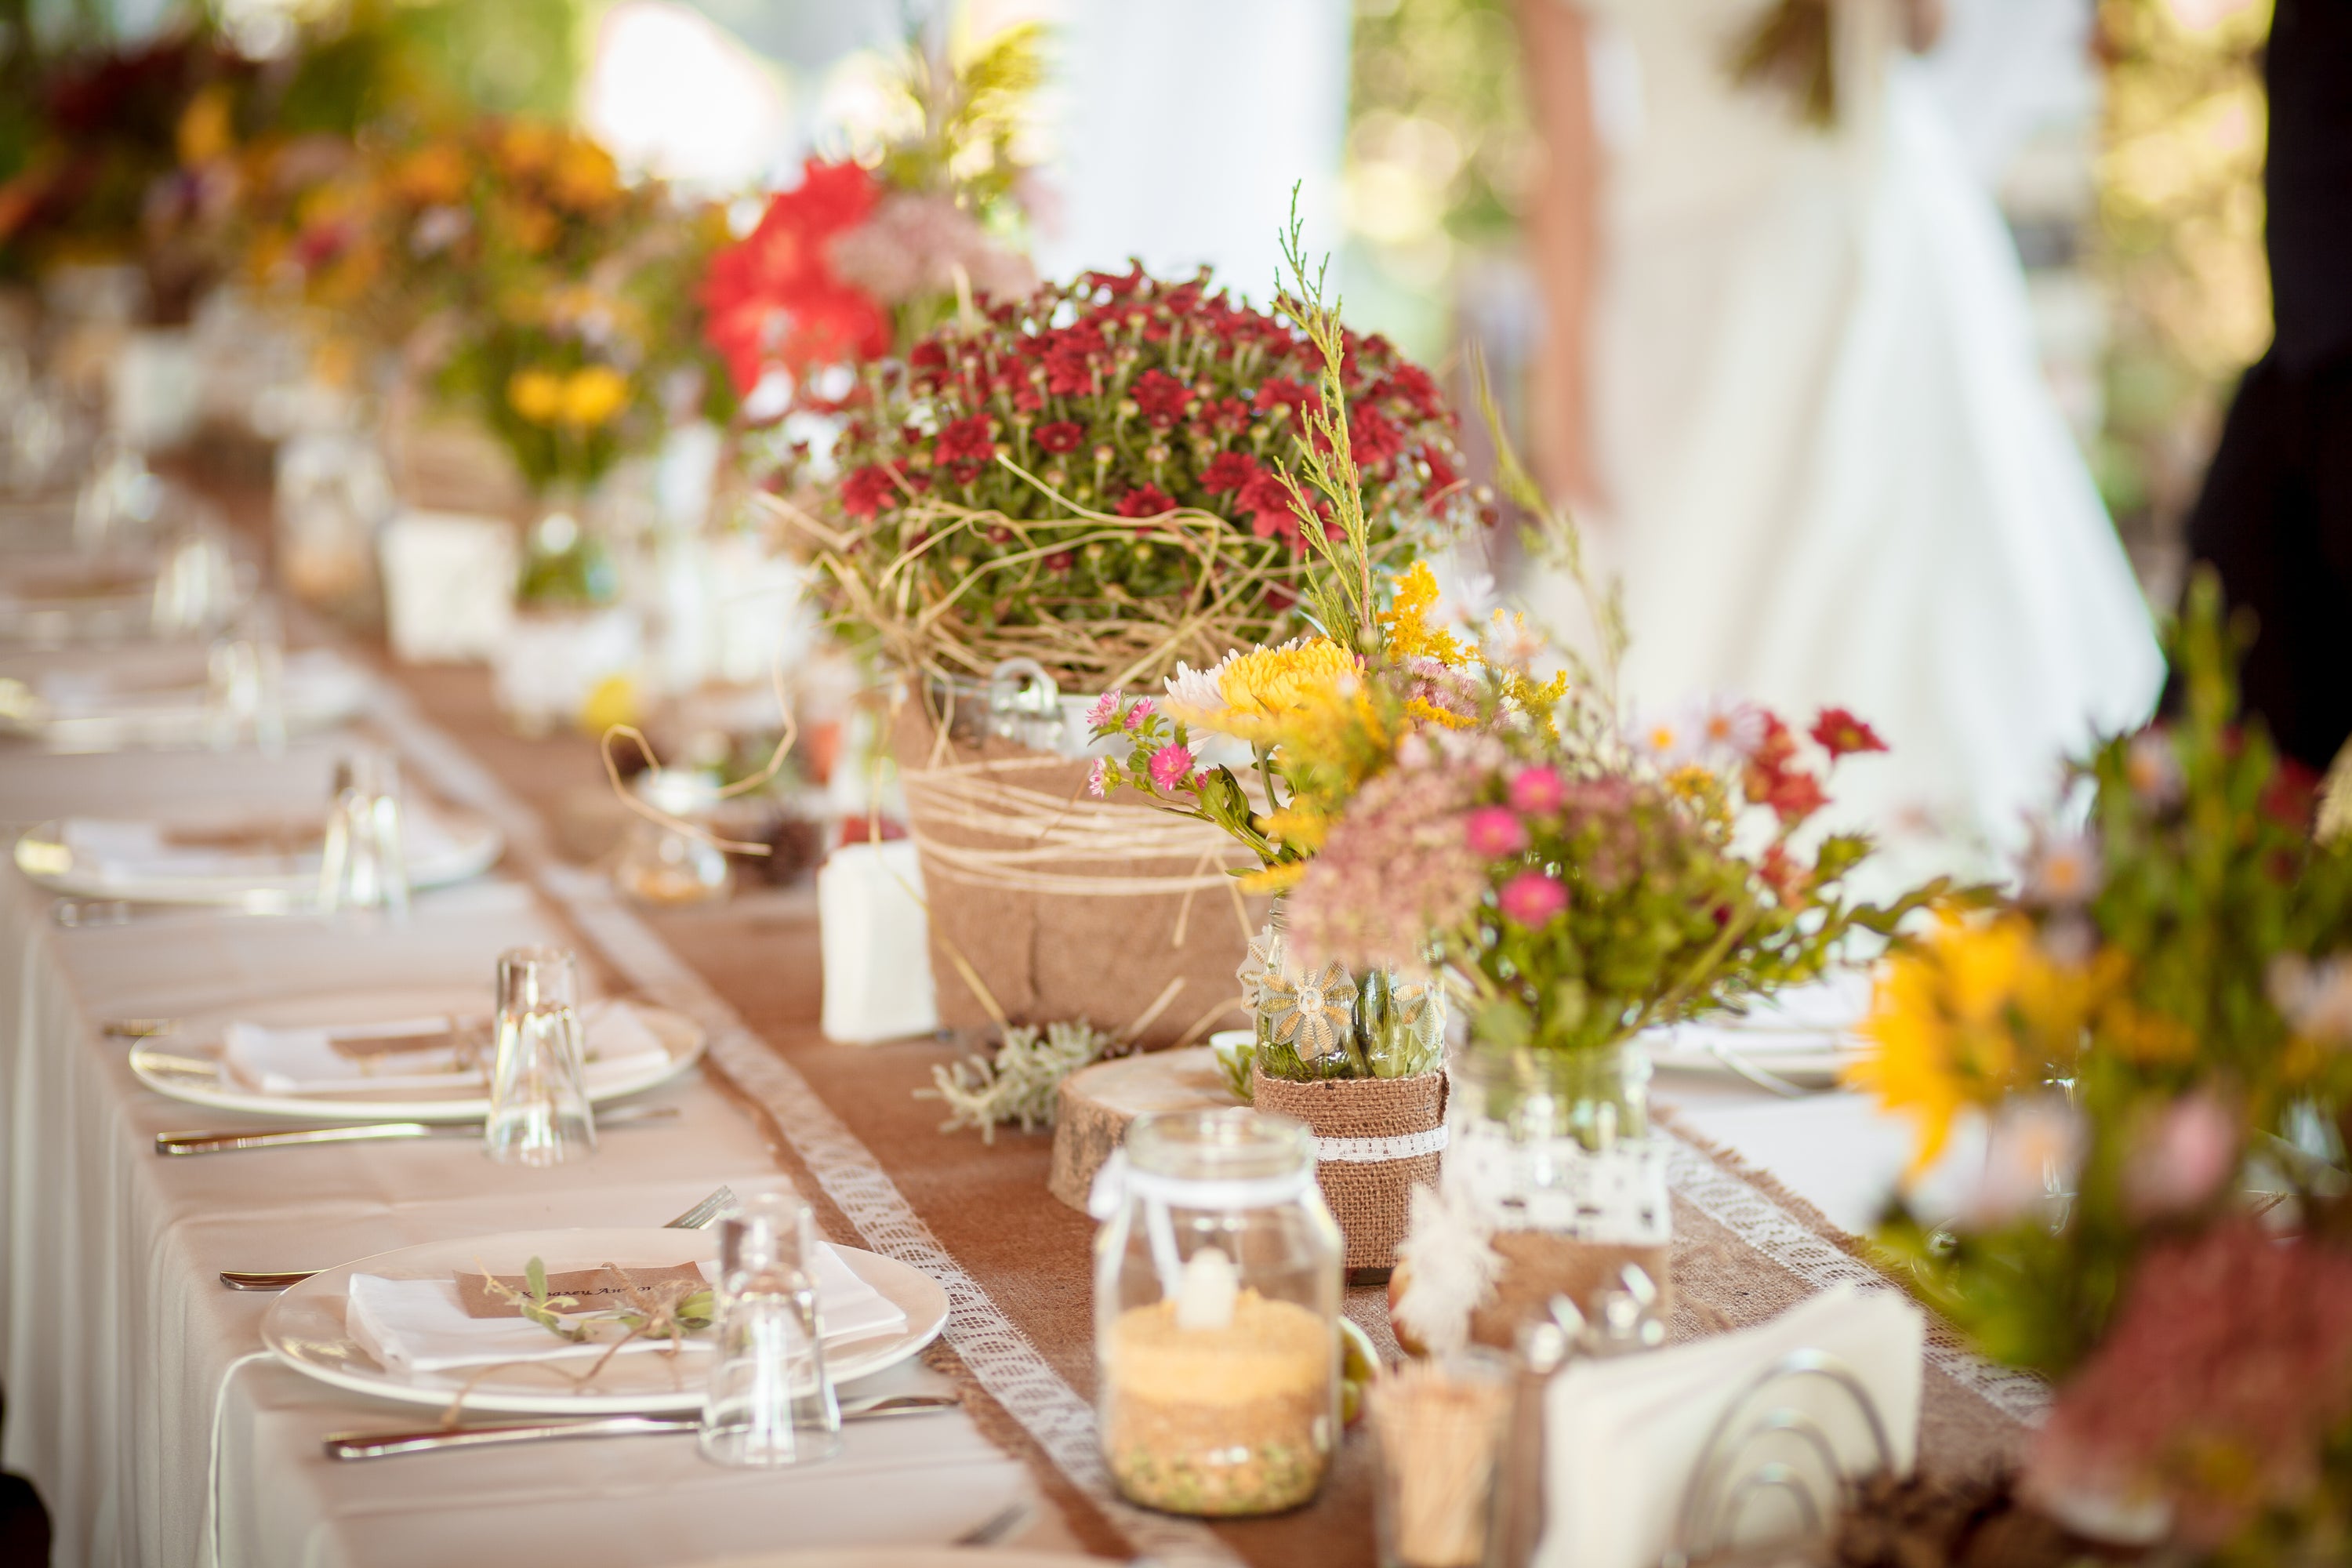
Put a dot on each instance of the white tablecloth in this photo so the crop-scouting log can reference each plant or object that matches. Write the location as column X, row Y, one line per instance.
column 119, row 1341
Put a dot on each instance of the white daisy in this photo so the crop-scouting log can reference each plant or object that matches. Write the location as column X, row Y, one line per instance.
column 1198, row 695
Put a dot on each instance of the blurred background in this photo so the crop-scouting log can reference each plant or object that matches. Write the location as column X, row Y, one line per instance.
column 2123, row 139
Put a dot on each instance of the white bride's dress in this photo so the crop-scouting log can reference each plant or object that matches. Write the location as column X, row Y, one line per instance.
column 1834, row 475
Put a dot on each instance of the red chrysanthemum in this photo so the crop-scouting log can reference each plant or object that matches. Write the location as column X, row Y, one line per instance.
column 1373, row 438
column 1842, row 734
column 1267, row 500
column 1281, row 391
column 1061, row 436
column 966, row 441
column 1147, row 500
column 1229, row 471
column 1160, row 397
column 867, row 491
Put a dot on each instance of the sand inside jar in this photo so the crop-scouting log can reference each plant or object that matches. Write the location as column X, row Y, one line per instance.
column 1230, row 1420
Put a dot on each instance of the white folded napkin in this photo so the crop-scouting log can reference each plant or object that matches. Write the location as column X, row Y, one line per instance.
column 620, row 1045
column 315, row 679
column 1623, row 1436
column 875, row 940
column 119, row 850
column 418, row 1325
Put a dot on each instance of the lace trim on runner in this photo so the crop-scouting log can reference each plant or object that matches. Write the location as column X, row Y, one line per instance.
column 1011, row 1368
column 1380, row 1151
column 1756, row 1219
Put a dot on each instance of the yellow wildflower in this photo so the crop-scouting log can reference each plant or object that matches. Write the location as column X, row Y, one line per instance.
column 205, row 130
column 1273, row 878
column 593, row 395
column 1302, row 827
column 532, row 227
column 1939, row 1026
column 526, row 146
column 614, row 700
column 432, row 175
column 1409, row 634
column 585, row 178
column 537, row 395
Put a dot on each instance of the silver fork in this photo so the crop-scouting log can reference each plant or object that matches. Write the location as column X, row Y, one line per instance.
column 695, row 1219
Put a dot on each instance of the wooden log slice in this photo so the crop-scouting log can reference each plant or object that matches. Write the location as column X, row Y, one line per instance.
column 1096, row 1105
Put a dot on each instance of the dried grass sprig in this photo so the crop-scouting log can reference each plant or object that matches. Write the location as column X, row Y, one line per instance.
column 1234, row 597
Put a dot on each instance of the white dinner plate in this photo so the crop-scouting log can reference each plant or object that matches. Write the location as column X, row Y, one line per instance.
column 1805, row 1037
column 185, row 1064
column 462, row 847
column 322, row 690
column 305, row 1326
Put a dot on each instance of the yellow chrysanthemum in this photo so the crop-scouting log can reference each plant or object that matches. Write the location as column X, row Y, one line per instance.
column 1267, row 687
column 537, row 395
column 526, row 146
column 594, row 395
column 1273, row 878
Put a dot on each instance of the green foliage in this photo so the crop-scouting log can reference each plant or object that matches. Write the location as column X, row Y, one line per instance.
column 1020, row 1085
column 2213, row 899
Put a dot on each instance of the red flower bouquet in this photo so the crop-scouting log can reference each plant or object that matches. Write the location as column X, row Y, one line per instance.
column 1087, row 477
column 773, row 298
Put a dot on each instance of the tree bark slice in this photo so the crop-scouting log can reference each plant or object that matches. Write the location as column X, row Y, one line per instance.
column 1095, row 1106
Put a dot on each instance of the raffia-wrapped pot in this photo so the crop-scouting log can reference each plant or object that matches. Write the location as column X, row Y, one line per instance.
column 1047, row 905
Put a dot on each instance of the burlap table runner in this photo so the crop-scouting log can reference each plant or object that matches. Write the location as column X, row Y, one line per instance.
column 847, row 1130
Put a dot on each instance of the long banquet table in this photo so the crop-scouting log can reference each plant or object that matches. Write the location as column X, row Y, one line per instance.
column 141, row 1405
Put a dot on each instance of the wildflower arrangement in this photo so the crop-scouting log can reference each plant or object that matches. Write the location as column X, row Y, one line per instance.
column 2158, row 1019
column 865, row 257
column 1091, row 478
column 129, row 156
column 562, row 294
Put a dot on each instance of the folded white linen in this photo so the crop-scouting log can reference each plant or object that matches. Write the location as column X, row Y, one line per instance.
column 620, row 1045
column 419, row 1325
column 1623, row 1436
column 118, row 851
column 314, row 678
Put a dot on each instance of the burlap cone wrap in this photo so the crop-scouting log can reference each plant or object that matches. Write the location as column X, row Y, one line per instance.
column 1012, row 848
column 1372, row 1199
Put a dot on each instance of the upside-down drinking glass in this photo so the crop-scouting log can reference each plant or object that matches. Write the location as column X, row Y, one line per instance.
column 540, row 1113
column 770, row 1402
column 363, row 862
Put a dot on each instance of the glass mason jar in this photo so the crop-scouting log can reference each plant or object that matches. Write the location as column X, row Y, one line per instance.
column 1217, row 1287
column 662, row 864
column 1555, row 1148
column 1329, row 1023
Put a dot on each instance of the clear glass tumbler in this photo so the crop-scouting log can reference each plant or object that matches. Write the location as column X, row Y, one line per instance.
column 363, row 861
column 770, row 1402
column 245, row 694
column 540, row 1113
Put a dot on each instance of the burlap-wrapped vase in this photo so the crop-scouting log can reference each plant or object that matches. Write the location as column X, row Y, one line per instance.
column 1376, row 1139
column 1047, row 905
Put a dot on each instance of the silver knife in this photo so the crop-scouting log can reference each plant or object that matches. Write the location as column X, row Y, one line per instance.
column 362, row 1131
column 381, row 1444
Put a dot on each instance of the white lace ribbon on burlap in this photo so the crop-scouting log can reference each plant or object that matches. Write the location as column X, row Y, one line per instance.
column 1380, row 1151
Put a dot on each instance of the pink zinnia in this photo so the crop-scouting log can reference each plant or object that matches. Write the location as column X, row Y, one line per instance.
column 1105, row 706
column 1493, row 832
column 1538, row 790
column 1138, row 713
column 1097, row 781
column 1531, row 899
column 1172, row 766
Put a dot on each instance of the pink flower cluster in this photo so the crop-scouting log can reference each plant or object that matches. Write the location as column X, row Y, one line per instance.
column 2228, row 1367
